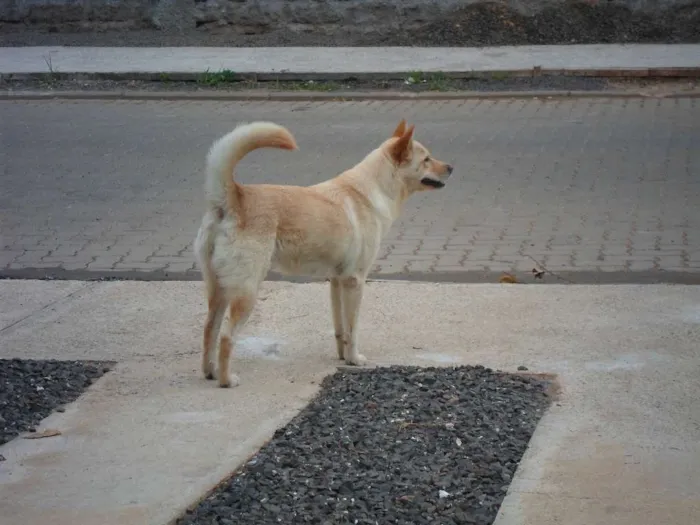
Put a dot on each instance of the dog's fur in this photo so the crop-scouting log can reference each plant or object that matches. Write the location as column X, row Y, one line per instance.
column 332, row 230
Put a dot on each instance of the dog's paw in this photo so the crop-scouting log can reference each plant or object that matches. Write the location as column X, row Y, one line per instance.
column 356, row 360
column 230, row 382
column 208, row 371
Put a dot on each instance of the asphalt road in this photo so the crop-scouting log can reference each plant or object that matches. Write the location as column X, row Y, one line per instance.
column 593, row 190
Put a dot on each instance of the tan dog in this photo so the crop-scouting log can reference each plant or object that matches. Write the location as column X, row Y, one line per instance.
column 331, row 230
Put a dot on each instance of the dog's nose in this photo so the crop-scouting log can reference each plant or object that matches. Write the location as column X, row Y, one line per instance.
column 449, row 169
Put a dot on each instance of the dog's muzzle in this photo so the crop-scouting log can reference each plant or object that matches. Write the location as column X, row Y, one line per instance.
column 436, row 183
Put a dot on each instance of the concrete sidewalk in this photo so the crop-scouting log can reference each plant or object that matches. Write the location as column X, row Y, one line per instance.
column 304, row 62
column 620, row 447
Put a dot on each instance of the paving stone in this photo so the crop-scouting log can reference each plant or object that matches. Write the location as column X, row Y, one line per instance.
column 180, row 267
column 9, row 256
column 591, row 183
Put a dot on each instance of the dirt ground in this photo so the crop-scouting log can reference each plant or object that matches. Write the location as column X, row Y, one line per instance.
column 431, row 84
column 488, row 24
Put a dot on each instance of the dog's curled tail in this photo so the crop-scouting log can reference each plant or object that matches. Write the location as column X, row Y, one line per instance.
column 227, row 151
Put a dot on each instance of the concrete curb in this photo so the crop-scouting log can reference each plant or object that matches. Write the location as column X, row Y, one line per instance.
column 288, row 76
column 564, row 277
column 311, row 96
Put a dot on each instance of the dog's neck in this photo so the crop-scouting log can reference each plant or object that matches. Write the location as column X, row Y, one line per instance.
column 384, row 190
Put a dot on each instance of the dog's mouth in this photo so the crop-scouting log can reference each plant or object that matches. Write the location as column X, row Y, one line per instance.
column 433, row 183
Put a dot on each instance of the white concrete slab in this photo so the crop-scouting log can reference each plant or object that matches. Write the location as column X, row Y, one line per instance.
column 152, row 436
column 621, row 446
column 262, row 60
column 19, row 300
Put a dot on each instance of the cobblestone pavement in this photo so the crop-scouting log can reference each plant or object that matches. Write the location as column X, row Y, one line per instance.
column 592, row 189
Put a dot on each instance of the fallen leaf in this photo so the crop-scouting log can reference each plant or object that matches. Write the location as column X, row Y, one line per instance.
column 49, row 432
column 538, row 273
column 508, row 278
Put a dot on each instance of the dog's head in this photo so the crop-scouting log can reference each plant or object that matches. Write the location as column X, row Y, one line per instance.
column 414, row 165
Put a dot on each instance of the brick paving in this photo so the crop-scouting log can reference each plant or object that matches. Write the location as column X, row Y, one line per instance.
column 584, row 187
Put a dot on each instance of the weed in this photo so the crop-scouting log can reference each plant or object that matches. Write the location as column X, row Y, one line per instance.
column 49, row 63
column 438, row 82
column 499, row 75
column 225, row 76
column 49, row 78
column 415, row 77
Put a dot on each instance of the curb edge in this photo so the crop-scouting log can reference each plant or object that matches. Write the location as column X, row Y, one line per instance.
column 340, row 96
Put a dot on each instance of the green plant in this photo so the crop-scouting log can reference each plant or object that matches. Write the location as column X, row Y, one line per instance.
column 438, row 82
column 224, row 76
column 499, row 75
column 415, row 77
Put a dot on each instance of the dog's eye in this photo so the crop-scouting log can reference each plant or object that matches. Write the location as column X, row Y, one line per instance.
column 427, row 159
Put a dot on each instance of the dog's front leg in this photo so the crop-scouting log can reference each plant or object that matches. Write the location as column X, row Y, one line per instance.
column 336, row 307
column 351, row 294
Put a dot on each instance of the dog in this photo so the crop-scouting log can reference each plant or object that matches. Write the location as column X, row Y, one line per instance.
column 331, row 230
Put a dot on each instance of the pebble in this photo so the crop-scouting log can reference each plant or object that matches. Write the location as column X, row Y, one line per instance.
column 32, row 389
column 418, row 456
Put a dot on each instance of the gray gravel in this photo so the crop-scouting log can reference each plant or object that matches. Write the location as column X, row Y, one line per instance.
column 30, row 390
column 399, row 445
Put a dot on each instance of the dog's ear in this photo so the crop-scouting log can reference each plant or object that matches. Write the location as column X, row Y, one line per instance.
column 401, row 149
column 400, row 129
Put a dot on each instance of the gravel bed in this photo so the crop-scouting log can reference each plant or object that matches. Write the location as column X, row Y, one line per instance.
column 30, row 390
column 399, row 445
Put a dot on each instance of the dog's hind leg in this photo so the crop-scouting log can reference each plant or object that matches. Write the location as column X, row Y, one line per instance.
column 215, row 314
column 239, row 312
column 240, row 275
column 351, row 295
column 336, row 307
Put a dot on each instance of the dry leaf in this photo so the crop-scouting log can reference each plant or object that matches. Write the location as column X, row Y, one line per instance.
column 538, row 273
column 508, row 278
column 49, row 432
